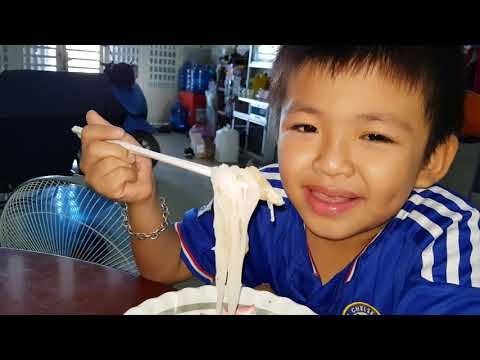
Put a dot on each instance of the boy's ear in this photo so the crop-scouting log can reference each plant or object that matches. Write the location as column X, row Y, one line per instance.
column 437, row 166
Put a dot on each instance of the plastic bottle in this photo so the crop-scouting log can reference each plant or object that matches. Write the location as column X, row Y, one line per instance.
column 208, row 76
column 189, row 77
column 194, row 75
column 182, row 80
column 202, row 77
column 228, row 80
column 197, row 143
column 198, row 79
column 210, row 96
column 237, row 78
column 212, row 74
column 227, row 142
column 178, row 116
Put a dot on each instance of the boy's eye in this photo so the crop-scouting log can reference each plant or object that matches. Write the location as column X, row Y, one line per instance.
column 304, row 128
column 377, row 138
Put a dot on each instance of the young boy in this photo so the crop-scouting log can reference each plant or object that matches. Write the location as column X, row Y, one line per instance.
column 365, row 133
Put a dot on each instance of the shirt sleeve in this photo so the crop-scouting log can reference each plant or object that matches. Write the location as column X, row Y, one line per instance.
column 423, row 297
column 197, row 240
column 197, row 237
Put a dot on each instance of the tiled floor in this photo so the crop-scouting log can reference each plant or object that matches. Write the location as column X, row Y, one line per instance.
column 182, row 189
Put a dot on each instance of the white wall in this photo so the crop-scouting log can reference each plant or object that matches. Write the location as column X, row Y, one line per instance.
column 160, row 100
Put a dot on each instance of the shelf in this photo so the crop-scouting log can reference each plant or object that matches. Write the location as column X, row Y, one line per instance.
column 250, row 118
column 259, row 120
column 257, row 103
column 241, row 115
column 261, row 64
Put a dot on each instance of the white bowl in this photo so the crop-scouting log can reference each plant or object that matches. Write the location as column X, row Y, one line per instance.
column 202, row 300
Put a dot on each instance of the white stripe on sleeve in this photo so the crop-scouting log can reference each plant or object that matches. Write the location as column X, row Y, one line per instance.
column 427, row 263
column 452, row 241
column 474, row 232
column 271, row 176
column 453, row 254
column 427, row 254
column 402, row 214
column 268, row 166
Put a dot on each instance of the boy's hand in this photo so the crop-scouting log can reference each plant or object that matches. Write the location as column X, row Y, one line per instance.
column 110, row 169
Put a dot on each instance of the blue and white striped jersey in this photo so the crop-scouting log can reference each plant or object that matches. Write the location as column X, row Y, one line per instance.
column 425, row 261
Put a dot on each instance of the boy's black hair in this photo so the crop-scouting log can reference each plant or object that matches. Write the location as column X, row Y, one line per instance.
column 438, row 71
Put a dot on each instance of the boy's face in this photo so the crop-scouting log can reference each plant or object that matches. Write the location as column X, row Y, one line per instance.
column 350, row 150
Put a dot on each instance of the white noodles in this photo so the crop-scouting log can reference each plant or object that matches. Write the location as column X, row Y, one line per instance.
column 236, row 195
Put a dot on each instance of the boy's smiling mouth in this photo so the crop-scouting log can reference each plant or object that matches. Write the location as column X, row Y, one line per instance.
column 324, row 201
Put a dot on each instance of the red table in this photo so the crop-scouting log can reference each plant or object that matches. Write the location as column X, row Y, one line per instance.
column 34, row 283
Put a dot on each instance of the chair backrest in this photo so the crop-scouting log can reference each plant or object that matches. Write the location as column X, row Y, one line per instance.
column 37, row 111
column 60, row 215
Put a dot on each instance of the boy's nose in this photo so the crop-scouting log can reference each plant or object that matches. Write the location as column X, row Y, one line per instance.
column 334, row 159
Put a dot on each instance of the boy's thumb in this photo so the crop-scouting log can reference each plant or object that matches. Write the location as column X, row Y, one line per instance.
column 93, row 118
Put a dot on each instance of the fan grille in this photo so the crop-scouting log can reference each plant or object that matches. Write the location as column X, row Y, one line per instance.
column 58, row 216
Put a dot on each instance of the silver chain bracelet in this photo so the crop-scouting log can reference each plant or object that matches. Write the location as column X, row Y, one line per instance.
column 155, row 233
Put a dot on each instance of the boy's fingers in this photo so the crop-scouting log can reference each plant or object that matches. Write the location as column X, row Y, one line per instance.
column 95, row 151
column 92, row 133
column 93, row 118
column 103, row 167
column 118, row 180
column 108, row 177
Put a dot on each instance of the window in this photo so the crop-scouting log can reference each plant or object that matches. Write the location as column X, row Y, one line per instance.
column 72, row 58
column 162, row 62
column 40, row 57
column 122, row 53
column 83, row 58
column 157, row 63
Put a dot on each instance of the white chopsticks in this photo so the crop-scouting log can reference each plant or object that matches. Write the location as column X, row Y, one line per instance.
column 184, row 164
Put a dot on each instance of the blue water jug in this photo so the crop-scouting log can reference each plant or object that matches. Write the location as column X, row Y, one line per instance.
column 195, row 80
column 205, row 78
column 189, row 77
column 178, row 116
column 198, row 79
column 182, row 78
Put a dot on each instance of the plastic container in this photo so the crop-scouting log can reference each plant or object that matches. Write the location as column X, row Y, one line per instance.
column 182, row 83
column 201, row 143
column 211, row 97
column 178, row 116
column 236, row 83
column 198, row 75
column 189, row 77
column 227, row 143
column 193, row 78
column 201, row 77
column 196, row 139
column 192, row 101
